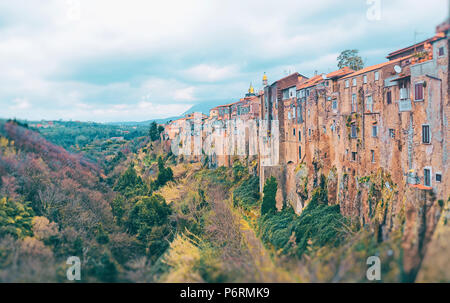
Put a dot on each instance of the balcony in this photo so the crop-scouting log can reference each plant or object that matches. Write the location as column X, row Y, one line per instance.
column 404, row 105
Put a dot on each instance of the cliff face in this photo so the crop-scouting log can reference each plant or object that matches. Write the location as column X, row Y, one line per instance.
column 378, row 137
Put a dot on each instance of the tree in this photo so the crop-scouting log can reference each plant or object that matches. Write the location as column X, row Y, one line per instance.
column 129, row 183
column 155, row 131
column 101, row 235
column 149, row 220
column 165, row 174
column 270, row 192
column 15, row 218
column 351, row 59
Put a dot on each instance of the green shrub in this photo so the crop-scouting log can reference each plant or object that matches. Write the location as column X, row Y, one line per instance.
column 318, row 225
column 269, row 199
column 246, row 195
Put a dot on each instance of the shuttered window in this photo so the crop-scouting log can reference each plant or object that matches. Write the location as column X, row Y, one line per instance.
column 419, row 91
column 426, row 134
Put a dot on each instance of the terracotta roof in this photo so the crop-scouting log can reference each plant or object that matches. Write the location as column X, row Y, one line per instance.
column 310, row 82
column 436, row 37
column 341, row 72
column 375, row 67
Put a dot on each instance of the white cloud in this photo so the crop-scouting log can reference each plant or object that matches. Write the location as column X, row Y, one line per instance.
column 209, row 49
column 185, row 94
column 211, row 73
column 20, row 104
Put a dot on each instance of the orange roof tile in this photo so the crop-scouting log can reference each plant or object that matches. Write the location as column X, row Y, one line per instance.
column 341, row 72
column 310, row 82
column 375, row 67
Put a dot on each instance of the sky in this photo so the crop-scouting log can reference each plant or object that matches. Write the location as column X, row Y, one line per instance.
column 136, row 60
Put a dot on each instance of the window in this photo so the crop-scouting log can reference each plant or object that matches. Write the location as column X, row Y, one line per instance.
column 299, row 114
column 374, row 131
column 427, row 177
column 354, row 82
column 294, row 132
column 365, row 79
column 300, row 152
column 372, row 155
column 426, row 134
column 346, row 83
column 299, row 135
column 334, row 104
column 354, row 103
column 418, row 88
column 441, row 51
column 389, row 97
column 289, row 115
column 293, row 112
column 353, row 131
column 354, row 156
column 438, row 177
column 377, row 75
column 392, row 133
column 285, row 94
column 403, row 91
column 369, row 104
column 309, row 132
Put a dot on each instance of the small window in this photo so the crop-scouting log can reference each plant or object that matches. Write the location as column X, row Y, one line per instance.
column 426, row 134
column 354, row 156
column 299, row 136
column 309, row 132
column 346, row 83
column 372, row 155
column 365, row 79
column 354, row 104
column 439, row 177
column 427, row 177
column 294, row 132
column 354, row 82
column 334, row 104
column 404, row 93
column 418, row 92
column 392, row 133
column 441, row 51
column 353, row 131
column 374, row 131
column 369, row 104
column 377, row 75
column 389, row 97
column 300, row 152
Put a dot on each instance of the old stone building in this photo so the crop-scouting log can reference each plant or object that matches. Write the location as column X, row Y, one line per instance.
column 376, row 134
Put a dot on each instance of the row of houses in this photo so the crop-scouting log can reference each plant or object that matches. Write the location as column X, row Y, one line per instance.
column 393, row 116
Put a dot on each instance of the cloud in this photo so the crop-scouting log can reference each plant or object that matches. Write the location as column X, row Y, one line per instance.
column 174, row 53
column 185, row 94
column 211, row 73
column 20, row 104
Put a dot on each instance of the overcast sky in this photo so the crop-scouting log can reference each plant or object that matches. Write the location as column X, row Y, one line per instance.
column 135, row 60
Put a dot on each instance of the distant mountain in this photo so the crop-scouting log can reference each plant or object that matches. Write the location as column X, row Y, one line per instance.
column 203, row 107
column 147, row 122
